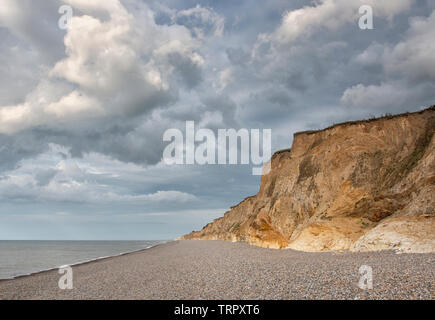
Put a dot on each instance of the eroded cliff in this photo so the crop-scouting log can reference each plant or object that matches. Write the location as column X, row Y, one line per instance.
column 364, row 185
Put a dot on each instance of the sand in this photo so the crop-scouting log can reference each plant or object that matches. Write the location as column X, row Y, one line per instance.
column 225, row 270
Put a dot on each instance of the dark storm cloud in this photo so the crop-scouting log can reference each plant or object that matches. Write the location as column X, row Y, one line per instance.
column 315, row 71
column 21, row 146
column 191, row 74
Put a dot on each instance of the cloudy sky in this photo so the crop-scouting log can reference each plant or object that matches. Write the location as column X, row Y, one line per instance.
column 83, row 109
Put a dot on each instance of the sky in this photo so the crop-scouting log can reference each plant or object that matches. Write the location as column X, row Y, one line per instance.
column 83, row 109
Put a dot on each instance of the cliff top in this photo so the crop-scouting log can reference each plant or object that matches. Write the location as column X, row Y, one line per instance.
column 350, row 123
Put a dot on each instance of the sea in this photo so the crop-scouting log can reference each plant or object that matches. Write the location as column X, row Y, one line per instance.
column 25, row 257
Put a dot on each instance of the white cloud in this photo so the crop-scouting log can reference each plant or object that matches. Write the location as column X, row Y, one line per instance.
column 169, row 196
column 12, row 117
column 372, row 55
column 414, row 58
column 68, row 182
column 387, row 8
column 201, row 21
column 73, row 104
column 385, row 95
column 123, row 65
column 329, row 15
column 225, row 77
column 54, row 177
column 409, row 61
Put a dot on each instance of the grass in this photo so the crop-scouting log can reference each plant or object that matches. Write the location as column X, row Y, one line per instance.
column 365, row 224
column 359, row 201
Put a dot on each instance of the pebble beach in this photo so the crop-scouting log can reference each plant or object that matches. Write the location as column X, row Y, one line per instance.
column 226, row 270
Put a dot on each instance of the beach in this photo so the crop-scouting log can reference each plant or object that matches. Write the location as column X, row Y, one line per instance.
column 225, row 270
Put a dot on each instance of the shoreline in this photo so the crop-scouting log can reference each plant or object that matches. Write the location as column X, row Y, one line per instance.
column 215, row 269
column 81, row 262
column 335, row 252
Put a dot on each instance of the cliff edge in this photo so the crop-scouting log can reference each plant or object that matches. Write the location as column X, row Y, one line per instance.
column 359, row 186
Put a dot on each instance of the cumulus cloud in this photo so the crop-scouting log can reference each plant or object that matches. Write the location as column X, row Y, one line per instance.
column 123, row 66
column 411, row 58
column 31, row 24
column 67, row 182
column 202, row 21
column 330, row 15
column 226, row 77
column 384, row 96
column 409, row 62
column 106, row 92
column 414, row 58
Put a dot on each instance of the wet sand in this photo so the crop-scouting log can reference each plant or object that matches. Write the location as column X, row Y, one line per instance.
column 225, row 270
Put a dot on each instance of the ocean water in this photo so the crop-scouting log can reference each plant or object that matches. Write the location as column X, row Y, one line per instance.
column 25, row 257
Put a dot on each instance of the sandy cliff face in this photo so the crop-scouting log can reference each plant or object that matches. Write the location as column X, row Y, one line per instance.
column 367, row 185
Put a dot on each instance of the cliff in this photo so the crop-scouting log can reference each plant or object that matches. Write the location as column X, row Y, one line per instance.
column 359, row 186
